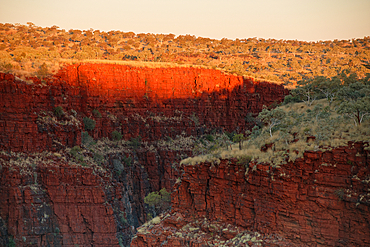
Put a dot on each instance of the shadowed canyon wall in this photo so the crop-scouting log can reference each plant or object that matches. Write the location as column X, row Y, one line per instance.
column 56, row 204
column 51, row 203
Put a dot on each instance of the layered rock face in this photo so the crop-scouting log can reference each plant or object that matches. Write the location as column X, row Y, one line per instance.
column 56, row 204
column 322, row 199
column 45, row 202
column 133, row 101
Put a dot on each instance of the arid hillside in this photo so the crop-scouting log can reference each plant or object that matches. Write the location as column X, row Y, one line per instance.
column 32, row 50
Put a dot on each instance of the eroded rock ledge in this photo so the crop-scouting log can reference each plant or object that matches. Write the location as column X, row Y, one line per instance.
column 322, row 199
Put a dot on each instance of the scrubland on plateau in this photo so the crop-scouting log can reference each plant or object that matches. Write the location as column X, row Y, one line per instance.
column 25, row 48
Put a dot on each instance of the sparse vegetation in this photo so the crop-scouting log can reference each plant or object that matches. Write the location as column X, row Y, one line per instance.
column 86, row 139
column 29, row 50
column 43, row 70
column 96, row 113
column 272, row 117
column 160, row 200
column 58, row 111
column 11, row 241
column 89, row 123
column 293, row 128
column 135, row 142
column 244, row 160
column 339, row 193
column 195, row 119
column 116, row 136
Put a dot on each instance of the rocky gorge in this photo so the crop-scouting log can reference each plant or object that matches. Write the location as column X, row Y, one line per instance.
column 66, row 184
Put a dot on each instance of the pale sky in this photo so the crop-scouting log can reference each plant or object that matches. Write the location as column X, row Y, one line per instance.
column 308, row 20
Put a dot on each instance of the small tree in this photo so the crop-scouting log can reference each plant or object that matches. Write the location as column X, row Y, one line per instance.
column 329, row 87
column 58, row 111
column 354, row 101
column 355, row 110
column 96, row 113
column 272, row 117
column 116, row 136
column 240, row 138
column 89, row 123
column 306, row 90
column 353, row 92
column 161, row 200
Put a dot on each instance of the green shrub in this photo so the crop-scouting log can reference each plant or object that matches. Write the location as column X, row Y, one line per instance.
column 98, row 158
column 11, row 241
column 127, row 160
column 159, row 200
column 75, row 150
column 86, row 139
column 116, row 136
column 135, row 142
column 96, row 113
column 58, row 111
column 210, row 138
column 230, row 135
column 289, row 98
column 249, row 118
column 123, row 218
column 89, row 123
column 153, row 199
column 244, row 160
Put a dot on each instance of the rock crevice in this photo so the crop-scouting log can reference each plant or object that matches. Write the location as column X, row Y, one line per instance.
column 322, row 199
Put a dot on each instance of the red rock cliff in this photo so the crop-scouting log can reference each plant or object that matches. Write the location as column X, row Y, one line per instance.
column 56, row 204
column 322, row 199
column 205, row 99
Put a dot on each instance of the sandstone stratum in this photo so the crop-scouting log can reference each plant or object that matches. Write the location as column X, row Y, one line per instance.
column 80, row 150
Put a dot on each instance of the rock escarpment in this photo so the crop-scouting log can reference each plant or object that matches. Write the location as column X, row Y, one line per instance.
column 46, row 201
column 134, row 101
column 322, row 199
